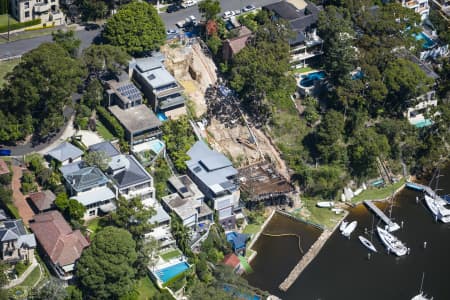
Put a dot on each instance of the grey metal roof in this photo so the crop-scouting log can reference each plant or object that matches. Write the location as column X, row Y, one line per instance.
column 65, row 151
column 136, row 119
column 221, row 167
column 13, row 230
column 106, row 147
column 3, row 215
column 95, row 195
column 133, row 172
column 70, row 168
column 148, row 63
column 160, row 216
column 27, row 240
column 159, row 77
column 86, row 178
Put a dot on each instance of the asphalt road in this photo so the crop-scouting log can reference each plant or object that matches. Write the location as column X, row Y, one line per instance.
column 171, row 19
column 21, row 47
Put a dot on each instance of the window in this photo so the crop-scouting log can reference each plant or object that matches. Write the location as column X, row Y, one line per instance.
column 27, row 14
column 92, row 212
column 26, row 5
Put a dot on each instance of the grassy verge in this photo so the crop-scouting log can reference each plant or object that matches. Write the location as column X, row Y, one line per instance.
column 94, row 226
column 378, row 193
column 6, row 67
column 104, row 132
column 171, row 254
column 4, row 20
column 32, row 278
column 252, row 228
column 148, row 290
column 318, row 215
column 302, row 70
column 28, row 34
column 13, row 210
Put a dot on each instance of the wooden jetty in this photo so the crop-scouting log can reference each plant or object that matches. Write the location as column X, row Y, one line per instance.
column 392, row 226
column 426, row 189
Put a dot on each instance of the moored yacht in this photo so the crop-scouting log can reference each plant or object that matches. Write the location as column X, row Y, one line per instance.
column 349, row 229
column 367, row 243
column 392, row 243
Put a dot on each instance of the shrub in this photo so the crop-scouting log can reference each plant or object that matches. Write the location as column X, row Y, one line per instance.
column 16, row 26
column 20, row 268
column 110, row 122
column 5, row 179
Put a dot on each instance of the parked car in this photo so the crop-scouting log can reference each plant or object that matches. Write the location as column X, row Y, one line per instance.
column 228, row 14
column 237, row 12
column 173, row 8
column 249, row 8
column 5, row 152
column 188, row 3
column 91, row 26
column 172, row 31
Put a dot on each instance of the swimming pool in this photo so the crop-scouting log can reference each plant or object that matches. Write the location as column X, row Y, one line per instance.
column 308, row 80
column 427, row 41
column 423, row 123
column 161, row 116
column 156, row 146
column 170, row 272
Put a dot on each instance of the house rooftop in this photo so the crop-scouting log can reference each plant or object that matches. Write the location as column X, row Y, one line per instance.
column 73, row 167
column 62, row 245
column 161, row 215
column 95, row 195
column 42, row 200
column 106, row 147
column 183, row 207
column 65, row 151
column 231, row 260
column 237, row 240
column 13, row 230
column 211, row 167
column 125, row 90
column 86, row 178
column 238, row 43
column 3, row 167
column 125, row 171
column 146, row 64
column 300, row 14
column 136, row 119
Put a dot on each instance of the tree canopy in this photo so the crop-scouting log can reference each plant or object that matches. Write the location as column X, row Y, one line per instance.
column 105, row 269
column 136, row 28
column 98, row 159
column 104, row 59
column 38, row 89
column 67, row 40
column 209, row 9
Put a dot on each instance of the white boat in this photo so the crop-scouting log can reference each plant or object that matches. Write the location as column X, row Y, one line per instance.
column 392, row 243
column 420, row 296
column 439, row 211
column 325, row 204
column 367, row 243
column 337, row 210
column 349, row 229
column 432, row 205
column 343, row 225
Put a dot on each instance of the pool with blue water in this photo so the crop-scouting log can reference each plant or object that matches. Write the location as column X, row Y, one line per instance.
column 308, row 80
column 427, row 41
column 170, row 272
column 156, row 146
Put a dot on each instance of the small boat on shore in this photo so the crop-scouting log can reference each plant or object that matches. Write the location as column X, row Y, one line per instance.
column 349, row 229
column 392, row 243
column 367, row 243
column 326, row 204
column 343, row 225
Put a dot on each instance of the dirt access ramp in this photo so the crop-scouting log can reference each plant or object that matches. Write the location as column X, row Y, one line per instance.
column 193, row 68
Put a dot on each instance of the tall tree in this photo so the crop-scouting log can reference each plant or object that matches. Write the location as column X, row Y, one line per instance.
column 336, row 30
column 67, row 40
column 105, row 269
column 104, row 59
column 330, row 133
column 92, row 10
column 209, row 9
column 136, row 28
column 98, row 159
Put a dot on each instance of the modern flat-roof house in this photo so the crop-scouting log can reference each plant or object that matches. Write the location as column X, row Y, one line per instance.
column 233, row 46
column 65, row 153
column 302, row 17
column 139, row 122
column 164, row 93
column 89, row 186
column 123, row 93
column 215, row 176
column 130, row 178
column 186, row 202
column 16, row 243
column 420, row 7
column 42, row 201
column 161, row 231
column 61, row 246
column 416, row 113
column 443, row 6
column 46, row 10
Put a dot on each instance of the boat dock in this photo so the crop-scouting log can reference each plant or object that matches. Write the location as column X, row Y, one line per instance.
column 392, row 226
column 429, row 191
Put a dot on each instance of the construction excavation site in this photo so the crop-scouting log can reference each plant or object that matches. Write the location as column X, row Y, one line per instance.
column 224, row 126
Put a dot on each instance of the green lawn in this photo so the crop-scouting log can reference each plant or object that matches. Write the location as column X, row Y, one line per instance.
column 171, row 254
column 319, row 215
column 302, row 70
column 13, row 209
column 252, row 228
column 30, row 34
column 378, row 193
column 94, row 226
column 6, row 67
column 104, row 132
column 147, row 289
column 4, row 20
column 32, row 278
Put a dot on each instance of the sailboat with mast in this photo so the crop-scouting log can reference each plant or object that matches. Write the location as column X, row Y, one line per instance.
column 436, row 204
column 421, row 295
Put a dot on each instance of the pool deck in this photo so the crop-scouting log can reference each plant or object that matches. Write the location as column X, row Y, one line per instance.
column 308, row 257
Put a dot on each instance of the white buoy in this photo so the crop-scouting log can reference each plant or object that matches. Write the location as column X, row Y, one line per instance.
column 409, row 250
column 401, row 224
column 417, row 199
column 424, row 245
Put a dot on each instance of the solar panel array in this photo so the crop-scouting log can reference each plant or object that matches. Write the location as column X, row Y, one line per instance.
column 130, row 91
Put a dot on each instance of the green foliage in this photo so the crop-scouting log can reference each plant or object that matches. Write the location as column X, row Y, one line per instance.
column 214, row 43
column 105, row 269
column 92, row 10
column 52, row 290
column 110, row 122
column 28, row 183
column 20, row 267
column 35, row 162
column 330, row 144
column 181, row 234
column 3, row 277
column 67, row 40
column 440, row 24
column 73, row 293
column 82, row 118
column 325, row 181
column 209, row 9
column 248, row 20
column 136, row 28
column 103, row 59
column 133, row 216
column 178, row 137
column 99, row 159
column 93, row 95
column 5, row 179
column 161, row 174
column 15, row 26
column 71, row 208
column 39, row 87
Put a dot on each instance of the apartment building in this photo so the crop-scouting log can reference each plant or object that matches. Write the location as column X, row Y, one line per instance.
column 419, row 6
column 46, row 10
column 443, row 6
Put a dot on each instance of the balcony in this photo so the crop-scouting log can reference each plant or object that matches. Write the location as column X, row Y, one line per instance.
column 56, row 15
column 40, row 8
column 138, row 192
column 305, row 55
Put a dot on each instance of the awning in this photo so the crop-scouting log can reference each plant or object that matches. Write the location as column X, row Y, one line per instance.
column 106, row 208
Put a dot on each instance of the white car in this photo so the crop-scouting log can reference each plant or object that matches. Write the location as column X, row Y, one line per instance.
column 228, row 14
column 249, row 8
column 188, row 3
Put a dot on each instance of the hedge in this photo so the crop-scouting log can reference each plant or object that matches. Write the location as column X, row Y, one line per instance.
column 110, row 122
column 19, row 25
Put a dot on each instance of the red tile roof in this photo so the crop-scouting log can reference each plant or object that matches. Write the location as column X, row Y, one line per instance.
column 55, row 235
column 3, row 167
column 231, row 260
column 42, row 200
